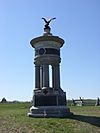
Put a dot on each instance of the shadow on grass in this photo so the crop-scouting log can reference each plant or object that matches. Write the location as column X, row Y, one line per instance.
column 94, row 120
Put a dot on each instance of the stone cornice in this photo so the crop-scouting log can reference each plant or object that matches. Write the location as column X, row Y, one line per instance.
column 60, row 41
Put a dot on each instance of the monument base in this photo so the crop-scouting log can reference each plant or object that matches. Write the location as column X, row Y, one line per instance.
column 49, row 103
column 49, row 111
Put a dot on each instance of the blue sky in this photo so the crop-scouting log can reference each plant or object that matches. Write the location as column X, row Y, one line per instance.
column 78, row 23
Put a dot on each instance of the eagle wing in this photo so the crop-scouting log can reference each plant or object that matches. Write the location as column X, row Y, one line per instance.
column 51, row 19
column 45, row 20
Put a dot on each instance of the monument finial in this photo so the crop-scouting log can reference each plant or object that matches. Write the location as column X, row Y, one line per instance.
column 47, row 22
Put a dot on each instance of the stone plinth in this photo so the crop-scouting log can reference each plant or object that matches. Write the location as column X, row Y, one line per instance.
column 49, row 103
column 49, row 111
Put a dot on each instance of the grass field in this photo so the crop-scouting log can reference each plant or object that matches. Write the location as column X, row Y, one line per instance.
column 13, row 119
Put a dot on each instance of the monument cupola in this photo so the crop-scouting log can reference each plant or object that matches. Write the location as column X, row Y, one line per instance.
column 47, row 53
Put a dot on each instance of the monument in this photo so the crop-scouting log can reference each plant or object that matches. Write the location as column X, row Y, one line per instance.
column 48, row 101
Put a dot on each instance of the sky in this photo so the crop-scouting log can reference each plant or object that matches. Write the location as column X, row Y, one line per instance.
column 77, row 22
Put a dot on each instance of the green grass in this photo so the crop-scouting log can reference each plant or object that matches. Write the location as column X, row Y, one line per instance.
column 14, row 119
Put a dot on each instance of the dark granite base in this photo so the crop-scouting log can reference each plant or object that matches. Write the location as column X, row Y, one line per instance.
column 50, row 111
column 49, row 100
column 49, row 103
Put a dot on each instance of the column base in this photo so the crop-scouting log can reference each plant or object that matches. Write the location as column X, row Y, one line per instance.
column 50, row 111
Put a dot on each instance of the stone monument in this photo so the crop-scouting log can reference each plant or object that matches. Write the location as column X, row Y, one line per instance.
column 48, row 101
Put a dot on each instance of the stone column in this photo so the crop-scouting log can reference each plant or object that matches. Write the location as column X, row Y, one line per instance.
column 41, row 77
column 53, row 78
column 37, row 76
column 56, row 76
column 45, row 75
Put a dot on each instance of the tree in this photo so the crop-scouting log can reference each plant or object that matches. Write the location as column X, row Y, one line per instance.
column 3, row 100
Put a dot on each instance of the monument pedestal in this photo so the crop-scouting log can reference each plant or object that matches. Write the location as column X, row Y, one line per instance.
column 49, row 103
